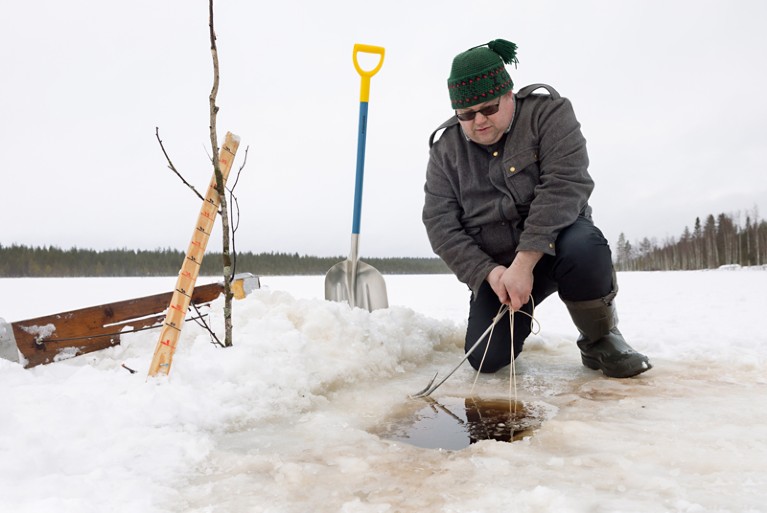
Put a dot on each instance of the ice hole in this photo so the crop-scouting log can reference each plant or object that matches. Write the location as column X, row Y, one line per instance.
column 454, row 423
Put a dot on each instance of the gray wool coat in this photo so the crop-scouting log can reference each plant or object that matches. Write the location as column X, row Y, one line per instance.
column 483, row 204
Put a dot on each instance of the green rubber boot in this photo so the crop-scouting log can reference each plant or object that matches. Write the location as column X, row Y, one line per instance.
column 602, row 345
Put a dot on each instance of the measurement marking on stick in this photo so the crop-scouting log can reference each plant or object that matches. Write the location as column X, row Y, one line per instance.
column 163, row 354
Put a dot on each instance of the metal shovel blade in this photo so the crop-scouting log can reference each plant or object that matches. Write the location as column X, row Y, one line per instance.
column 358, row 283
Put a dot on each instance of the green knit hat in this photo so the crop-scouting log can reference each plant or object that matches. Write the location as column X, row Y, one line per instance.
column 479, row 73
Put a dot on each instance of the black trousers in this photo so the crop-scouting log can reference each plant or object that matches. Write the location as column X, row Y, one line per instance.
column 581, row 270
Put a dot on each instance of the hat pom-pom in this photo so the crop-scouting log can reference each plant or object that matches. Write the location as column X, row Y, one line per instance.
column 506, row 49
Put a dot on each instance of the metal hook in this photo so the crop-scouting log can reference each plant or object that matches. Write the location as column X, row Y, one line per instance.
column 429, row 388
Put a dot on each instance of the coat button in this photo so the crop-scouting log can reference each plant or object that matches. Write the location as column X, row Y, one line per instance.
column 551, row 245
column 495, row 154
column 512, row 169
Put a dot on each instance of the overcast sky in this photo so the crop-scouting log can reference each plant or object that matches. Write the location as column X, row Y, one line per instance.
column 670, row 95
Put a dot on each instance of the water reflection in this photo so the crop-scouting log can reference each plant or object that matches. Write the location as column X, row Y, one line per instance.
column 454, row 423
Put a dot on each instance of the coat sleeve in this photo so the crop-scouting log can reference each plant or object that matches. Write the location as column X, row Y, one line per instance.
column 565, row 184
column 448, row 237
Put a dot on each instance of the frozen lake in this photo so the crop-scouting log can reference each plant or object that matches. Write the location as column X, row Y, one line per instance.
column 288, row 419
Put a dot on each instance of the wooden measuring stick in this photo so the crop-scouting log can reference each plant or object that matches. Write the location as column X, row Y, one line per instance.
column 179, row 303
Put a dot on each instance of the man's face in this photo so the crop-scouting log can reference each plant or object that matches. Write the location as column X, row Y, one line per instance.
column 488, row 128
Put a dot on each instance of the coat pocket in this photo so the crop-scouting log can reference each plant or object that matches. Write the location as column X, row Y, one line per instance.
column 498, row 240
column 522, row 175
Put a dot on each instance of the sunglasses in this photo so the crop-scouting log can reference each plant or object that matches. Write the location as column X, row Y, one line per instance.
column 485, row 111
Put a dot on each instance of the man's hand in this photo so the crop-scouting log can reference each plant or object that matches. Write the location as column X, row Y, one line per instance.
column 513, row 285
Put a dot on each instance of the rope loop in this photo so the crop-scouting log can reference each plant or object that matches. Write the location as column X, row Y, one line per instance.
column 533, row 330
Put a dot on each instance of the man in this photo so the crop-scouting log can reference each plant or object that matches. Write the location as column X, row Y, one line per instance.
column 506, row 207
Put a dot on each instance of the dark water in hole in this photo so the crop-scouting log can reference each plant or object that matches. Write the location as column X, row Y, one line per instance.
column 457, row 422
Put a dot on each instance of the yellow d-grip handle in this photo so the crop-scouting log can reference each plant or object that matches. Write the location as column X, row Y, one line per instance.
column 365, row 86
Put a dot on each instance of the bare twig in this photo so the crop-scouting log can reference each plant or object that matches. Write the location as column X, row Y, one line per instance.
column 200, row 320
column 227, row 260
column 172, row 167
column 221, row 189
column 239, row 171
column 235, row 215
column 128, row 369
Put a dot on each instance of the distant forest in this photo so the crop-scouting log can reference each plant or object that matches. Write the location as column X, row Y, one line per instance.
column 722, row 240
column 23, row 261
column 732, row 239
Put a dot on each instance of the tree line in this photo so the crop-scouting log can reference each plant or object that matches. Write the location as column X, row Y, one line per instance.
column 17, row 261
column 727, row 239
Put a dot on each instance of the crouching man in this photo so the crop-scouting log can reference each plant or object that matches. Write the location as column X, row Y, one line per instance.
column 506, row 207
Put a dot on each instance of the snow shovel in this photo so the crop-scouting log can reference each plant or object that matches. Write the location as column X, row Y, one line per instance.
column 353, row 280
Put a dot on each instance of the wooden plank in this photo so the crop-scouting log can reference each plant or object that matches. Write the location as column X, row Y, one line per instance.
column 179, row 303
column 44, row 339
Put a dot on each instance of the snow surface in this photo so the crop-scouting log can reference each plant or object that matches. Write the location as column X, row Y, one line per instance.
column 285, row 420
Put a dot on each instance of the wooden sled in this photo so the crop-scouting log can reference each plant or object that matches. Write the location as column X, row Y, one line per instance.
column 65, row 335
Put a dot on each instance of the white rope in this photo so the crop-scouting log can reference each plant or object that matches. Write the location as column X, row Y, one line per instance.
column 512, row 367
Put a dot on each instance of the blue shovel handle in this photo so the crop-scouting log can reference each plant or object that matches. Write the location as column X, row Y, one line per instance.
column 362, row 127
